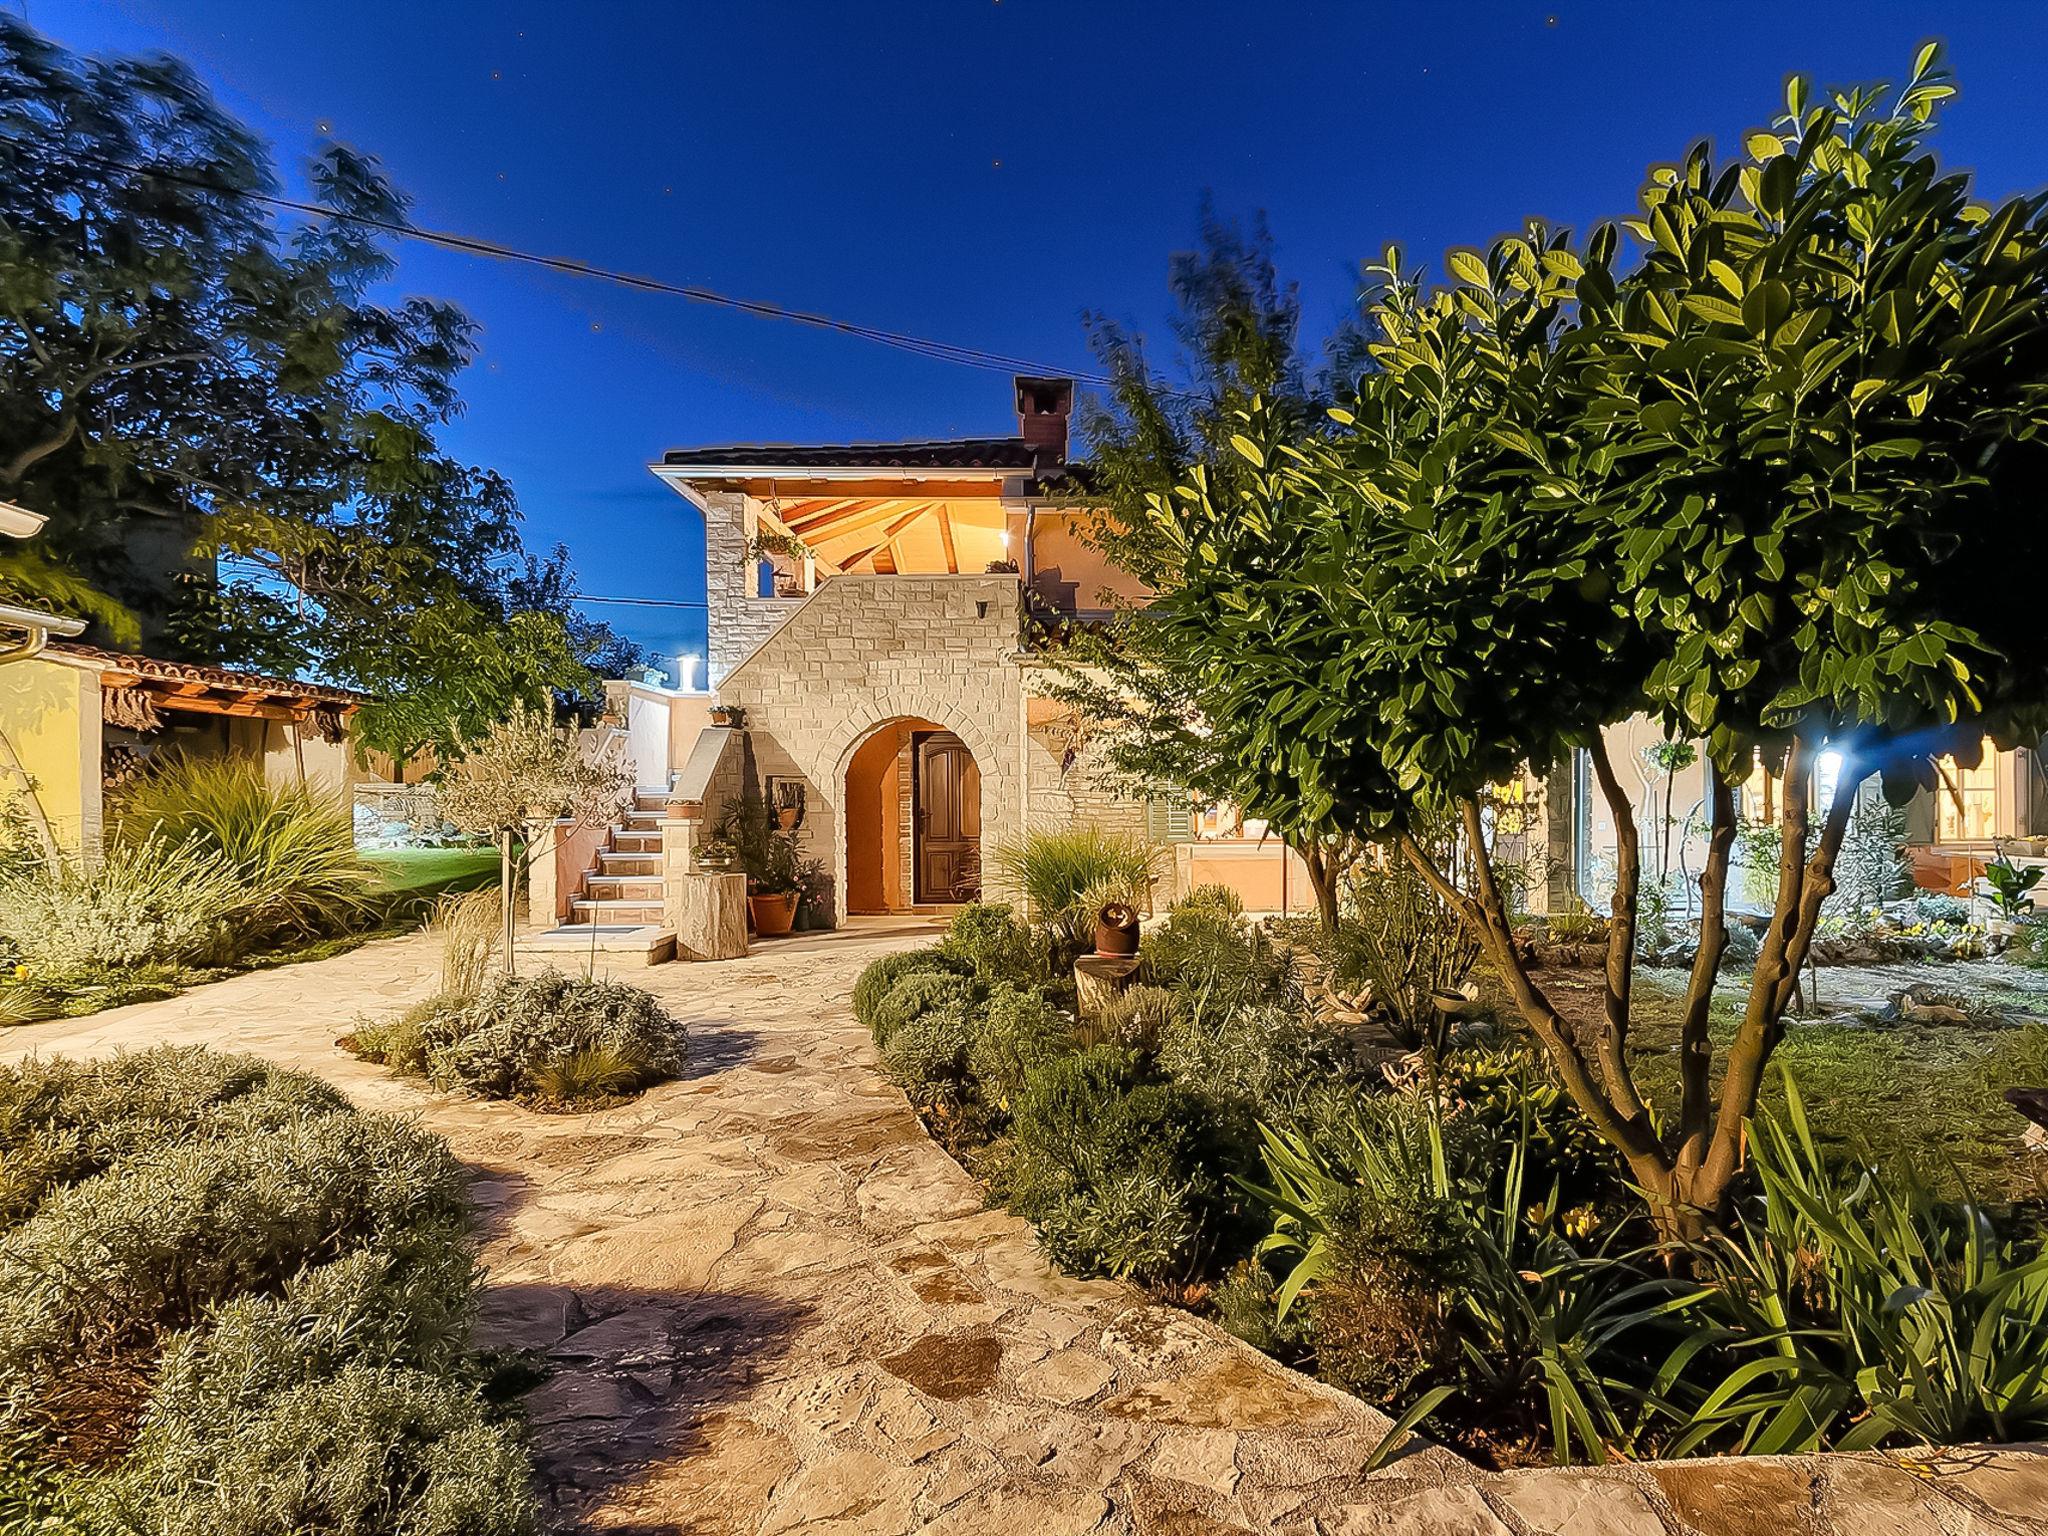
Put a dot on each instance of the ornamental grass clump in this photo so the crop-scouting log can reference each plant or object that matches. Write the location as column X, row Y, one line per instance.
column 290, row 846
column 533, row 1037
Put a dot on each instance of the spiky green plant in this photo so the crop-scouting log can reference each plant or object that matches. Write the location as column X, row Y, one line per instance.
column 291, row 846
column 1066, row 874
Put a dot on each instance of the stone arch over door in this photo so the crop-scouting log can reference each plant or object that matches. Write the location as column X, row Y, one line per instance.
column 918, row 710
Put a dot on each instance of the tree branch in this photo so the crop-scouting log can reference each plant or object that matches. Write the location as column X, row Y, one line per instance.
column 1621, row 933
column 35, row 453
column 1762, row 1017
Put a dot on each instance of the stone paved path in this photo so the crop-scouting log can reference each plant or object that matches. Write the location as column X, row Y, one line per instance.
column 771, row 1305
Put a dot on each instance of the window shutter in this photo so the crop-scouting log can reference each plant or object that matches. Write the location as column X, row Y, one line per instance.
column 1169, row 818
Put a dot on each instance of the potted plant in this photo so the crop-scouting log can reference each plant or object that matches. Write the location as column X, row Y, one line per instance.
column 813, row 895
column 2012, row 887
column 728, row 715
column 767, row 856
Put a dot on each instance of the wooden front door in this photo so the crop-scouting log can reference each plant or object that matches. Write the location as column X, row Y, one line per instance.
column 946, row 829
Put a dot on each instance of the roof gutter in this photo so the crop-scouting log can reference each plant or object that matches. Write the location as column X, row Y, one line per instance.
column 40, row 627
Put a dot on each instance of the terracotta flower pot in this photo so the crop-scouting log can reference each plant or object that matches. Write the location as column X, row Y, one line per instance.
column 1116, row 930
column 773, row 914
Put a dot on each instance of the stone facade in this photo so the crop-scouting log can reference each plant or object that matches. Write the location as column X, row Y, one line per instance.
column 739, row 619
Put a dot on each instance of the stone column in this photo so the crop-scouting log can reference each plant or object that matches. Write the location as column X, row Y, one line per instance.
column 706, row 911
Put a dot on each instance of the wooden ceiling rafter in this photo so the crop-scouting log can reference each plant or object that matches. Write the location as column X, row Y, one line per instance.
column 946, row 539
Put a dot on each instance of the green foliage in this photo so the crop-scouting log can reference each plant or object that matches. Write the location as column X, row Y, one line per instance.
column 525, row 1036
column 293, row 1281
column 1114, row 1170
column 1066, row 873
column 1020, row 1032
column 917, row 992
column 1260, row 1061
column 180, row 362
column 291, row 846
column 926, row 1051
column 1407, row 942
column 1873, row 868
column 1136, row 1019
column 142, row 903
column 2012, row 885
column 875, row 982
column 1877, row 1312
column 747, row 833
column 990, row 941
column 1218, row 962
column 1212, row 898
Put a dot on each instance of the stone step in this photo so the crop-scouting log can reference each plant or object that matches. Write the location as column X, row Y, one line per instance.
column 636, row 842
column 643, row 820
column 645, row 799
column 622, row 887
column 623, row 944
column 615, row 913
column 611, row 862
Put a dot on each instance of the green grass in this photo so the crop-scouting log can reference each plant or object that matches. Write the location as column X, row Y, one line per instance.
column 1929, row 1095
column 430, row 871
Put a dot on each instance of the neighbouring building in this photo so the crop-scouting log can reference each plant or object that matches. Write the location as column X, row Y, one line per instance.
column 77, row 722
column 872, row 661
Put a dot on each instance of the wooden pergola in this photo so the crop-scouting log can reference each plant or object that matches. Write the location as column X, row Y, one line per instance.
column 935, row 528
column 136, row 691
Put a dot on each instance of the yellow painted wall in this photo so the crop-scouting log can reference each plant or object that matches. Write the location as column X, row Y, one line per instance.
column 50, row 714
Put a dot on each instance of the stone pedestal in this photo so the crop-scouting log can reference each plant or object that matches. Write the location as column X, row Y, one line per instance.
column 1098, row 978
column 543, row 895
column 709, row 916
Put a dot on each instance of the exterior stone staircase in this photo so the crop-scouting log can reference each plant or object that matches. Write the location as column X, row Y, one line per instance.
column 624, row 889
column 617, row 911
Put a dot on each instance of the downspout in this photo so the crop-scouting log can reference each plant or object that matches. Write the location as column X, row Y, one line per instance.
column 39, row 628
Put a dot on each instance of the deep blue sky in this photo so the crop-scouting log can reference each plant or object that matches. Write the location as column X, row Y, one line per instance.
column 980, row 171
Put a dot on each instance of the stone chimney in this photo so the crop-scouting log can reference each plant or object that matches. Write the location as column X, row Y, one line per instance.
column 1043, row 409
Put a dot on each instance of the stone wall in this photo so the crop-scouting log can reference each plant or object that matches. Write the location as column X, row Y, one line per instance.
column 864, row 651
column 739, row 619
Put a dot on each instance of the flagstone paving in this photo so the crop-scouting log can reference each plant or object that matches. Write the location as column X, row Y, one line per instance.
column 769, row 1304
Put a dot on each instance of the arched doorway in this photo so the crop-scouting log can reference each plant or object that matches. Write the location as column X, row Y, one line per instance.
column 912, row 803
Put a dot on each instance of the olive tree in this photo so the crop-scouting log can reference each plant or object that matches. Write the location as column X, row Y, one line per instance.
column 1774, row 485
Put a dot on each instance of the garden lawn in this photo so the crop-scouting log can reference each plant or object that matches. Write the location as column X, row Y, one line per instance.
column 1931, row 1096
column 416, row 876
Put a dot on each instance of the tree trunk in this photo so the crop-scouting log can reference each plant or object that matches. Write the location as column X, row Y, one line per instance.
column 505, row 896
column 1324, row 873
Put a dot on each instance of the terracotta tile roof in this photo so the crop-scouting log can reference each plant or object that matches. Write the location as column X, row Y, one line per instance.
column 948, row 453
column 213, row 677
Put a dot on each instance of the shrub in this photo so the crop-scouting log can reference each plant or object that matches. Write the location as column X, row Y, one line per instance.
column 291, row 846
column 1377, row 1318
column 927, row 1051
column 1021, row 1031
column 1742, row 949
column 1217, row 962
column 1507, row 1094
column 1136, row 1018
column 62, row 1121
column 1212, row 897
column 915, row 993
column 162, row 1233
column 142, row 903
column 880, row 975
column 522, row 1032
column 991, row 943
column 1260, row 1062
column 406, row 1043
column 270, row 1289
column 1407, row 942
column 1115, row 1171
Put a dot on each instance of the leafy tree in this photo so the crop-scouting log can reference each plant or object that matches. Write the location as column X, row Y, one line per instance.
column 233, row 439
column 523, row 770
column 1238, row 330
column 1775, row 486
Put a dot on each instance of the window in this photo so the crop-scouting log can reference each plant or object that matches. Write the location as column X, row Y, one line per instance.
column 1966, row 800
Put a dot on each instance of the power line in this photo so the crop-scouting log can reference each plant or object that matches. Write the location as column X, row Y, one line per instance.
column 642, row 602
column 470, row 245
